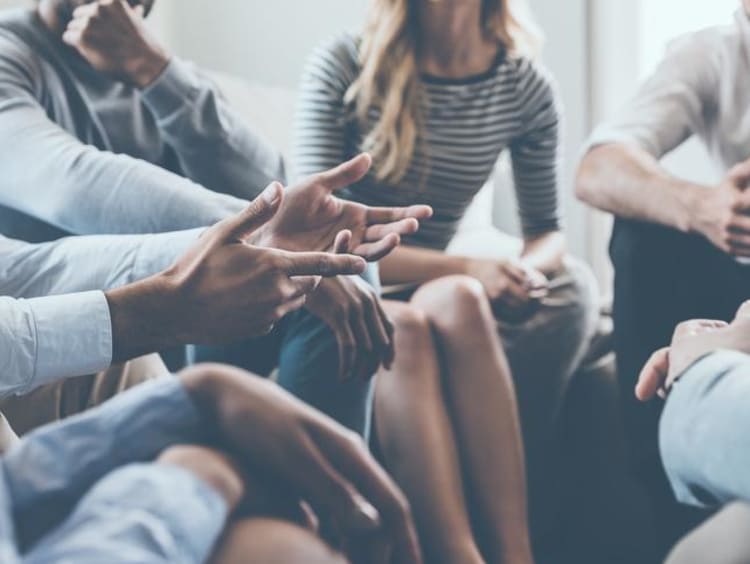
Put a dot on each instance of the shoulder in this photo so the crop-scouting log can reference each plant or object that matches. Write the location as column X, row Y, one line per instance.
column 535, row 85
column 335, row 61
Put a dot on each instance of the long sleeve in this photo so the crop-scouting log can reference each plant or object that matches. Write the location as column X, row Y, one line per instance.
column 92, row 262
column 49, row 174
column 535, row 153
column 216, row 148
column 48, row 471
column 703, row 435
column 45, row 339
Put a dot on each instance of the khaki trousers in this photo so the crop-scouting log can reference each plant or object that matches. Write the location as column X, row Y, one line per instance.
column 53, row 402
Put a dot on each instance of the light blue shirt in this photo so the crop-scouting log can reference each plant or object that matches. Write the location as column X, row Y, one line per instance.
column 83, row 491
column 60, row 327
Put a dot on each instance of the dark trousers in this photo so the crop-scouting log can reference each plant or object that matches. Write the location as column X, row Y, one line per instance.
column 663, row 277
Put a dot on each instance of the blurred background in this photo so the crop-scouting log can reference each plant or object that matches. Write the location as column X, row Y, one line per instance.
column 597, row 49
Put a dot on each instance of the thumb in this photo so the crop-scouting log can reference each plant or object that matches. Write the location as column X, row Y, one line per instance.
column 739, row 174
column 653, row 376
column 258, row 213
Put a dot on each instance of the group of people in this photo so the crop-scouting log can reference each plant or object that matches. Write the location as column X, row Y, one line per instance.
column 345, row 389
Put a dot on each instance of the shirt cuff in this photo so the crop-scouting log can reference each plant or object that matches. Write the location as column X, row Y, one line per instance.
column 73, row 336
column 175, row 86
column 160, row 251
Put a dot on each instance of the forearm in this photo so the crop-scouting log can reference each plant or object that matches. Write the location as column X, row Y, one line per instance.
column 628, row 182
column 407, row 265
column 703, row 435
column 545, row 253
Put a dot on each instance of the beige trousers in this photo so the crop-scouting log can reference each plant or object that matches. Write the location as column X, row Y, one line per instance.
column 53, row 402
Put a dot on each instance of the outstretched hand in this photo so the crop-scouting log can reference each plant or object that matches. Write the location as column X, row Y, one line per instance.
column 312, row 218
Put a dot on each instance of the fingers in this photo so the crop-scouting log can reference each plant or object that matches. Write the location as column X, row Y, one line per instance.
column 373, row 252
column 303, row 285
column 342, row 242
column 347, row 173
column 321, row 264
column 383, row 331
column 259, row 212
column 389, row 215
column 697, row 327
column 347, row 349
column 653, row 376
column 357, row 464
column 406, row 226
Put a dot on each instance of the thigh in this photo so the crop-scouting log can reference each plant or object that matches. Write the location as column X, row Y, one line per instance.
column 139, row 514
column 62, row 399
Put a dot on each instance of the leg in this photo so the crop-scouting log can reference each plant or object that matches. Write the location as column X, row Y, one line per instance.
column 544, row 352
column 663, row 277
column 171, row 511
column 723, row 539
column 416, row 438
column 72, row 396
column 270, row 541
column 483, row 406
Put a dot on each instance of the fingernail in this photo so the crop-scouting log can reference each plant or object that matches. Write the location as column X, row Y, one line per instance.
column 366, row 516
column 271, row 194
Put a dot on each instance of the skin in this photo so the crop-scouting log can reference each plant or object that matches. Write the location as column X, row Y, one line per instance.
column 319, row 463
column 692, row 340
column 111, row 36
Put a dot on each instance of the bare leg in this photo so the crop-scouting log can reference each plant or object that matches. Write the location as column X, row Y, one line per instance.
column 485, row 418
column 271, row 541
column 417, row 440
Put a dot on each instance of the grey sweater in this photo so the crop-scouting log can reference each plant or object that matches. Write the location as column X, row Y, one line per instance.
column 84, row 154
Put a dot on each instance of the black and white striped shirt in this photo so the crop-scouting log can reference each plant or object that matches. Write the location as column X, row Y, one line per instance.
column 466, row 125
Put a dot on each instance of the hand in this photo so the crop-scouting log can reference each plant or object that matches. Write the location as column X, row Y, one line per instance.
column 513, row 288
column 309, row 455
column 112, row 36
column 222, row 289
column 352, row 309
column 691, row 340
column 722, row 214
column 312, row 217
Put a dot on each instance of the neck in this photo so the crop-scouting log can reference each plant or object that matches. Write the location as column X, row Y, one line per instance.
column 451, row 36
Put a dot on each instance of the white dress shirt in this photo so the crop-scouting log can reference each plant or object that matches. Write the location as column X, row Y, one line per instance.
column 54, row 318
column 700, row 88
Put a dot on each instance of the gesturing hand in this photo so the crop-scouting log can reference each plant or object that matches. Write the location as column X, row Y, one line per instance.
column 691, row 340
column 352, row 309
column 222, row 289
column 112, row 37
column 311, row 217
column 309, row 456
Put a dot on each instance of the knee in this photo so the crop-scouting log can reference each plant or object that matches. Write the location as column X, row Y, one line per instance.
column 450, row 300
column 411, row 324
column 212, row 467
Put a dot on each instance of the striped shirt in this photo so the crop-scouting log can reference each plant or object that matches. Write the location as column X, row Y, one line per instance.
column 465, row 126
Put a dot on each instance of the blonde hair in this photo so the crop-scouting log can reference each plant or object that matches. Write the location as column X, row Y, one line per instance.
column 389, row 77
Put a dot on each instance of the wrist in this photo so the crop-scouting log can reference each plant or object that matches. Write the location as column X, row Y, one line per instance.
column 143, row 71
column 143, row 318
column 693, row 205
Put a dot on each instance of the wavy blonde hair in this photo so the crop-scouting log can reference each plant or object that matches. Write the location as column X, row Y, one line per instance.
column 389, row 77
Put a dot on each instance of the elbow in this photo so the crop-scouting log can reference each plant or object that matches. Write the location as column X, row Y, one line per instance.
column 586, row 182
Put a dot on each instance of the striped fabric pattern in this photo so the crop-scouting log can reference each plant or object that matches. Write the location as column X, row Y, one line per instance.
column 466, row 125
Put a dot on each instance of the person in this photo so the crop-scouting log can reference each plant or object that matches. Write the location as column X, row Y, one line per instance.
column 677, row 245
column 205, row 286
column 436, row 91
column 175, row 471
column 703, row 374
column 109, row 133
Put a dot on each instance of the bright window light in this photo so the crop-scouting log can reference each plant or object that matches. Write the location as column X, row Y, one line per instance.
column 663, row 20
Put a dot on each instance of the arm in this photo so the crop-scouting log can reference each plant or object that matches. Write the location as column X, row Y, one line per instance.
column 703, row 431
column 621, row 173
column 94, row 262
column 77, row 187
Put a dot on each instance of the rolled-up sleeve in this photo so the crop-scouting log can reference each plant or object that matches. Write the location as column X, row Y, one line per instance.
column 46, row 339
column 703, row 434
column 672, row 104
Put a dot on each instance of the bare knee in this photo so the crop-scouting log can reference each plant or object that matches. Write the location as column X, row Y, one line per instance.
column 453, row 300
column 266, row 541
column 411, row 324
column 211, row 466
